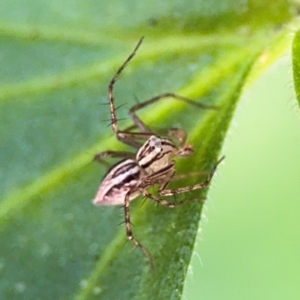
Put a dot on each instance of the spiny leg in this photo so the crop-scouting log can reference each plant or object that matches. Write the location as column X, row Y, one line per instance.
column 205, row 183
column 138, row 122
column 123, row 136
column 128, row 137
column 129, row 232
column 171, row 177
column 178, row 134
column 154, row 178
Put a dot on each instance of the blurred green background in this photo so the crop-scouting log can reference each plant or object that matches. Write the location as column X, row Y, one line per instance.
column 249, row 245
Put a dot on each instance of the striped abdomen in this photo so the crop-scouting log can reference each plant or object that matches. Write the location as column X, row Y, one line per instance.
column 119, row 180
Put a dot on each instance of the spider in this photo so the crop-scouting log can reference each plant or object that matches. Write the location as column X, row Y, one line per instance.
column 152, row 164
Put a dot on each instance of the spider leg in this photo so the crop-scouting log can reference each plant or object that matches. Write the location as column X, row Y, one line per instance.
column 129, row 231
column 138, row 122
column 123, row 136
column 201, row 185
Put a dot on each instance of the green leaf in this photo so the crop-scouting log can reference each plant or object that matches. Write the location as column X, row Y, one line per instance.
column 56, row 63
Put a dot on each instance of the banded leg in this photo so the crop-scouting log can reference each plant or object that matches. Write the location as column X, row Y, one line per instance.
column 178, row 134
column 123, row 136
column 169, row 176
column 129, row 232
column 128, row 137
column 205, row 183
column 138, row 122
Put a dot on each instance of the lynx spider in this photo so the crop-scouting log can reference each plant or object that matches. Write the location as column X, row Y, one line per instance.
column 153, row 164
